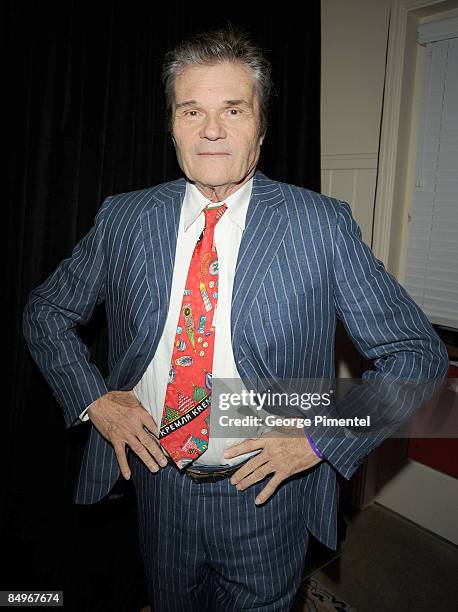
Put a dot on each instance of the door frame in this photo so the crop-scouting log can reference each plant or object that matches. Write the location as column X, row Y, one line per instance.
column 386, row 461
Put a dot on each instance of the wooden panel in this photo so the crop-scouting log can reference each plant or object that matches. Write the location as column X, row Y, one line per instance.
column 352, row 178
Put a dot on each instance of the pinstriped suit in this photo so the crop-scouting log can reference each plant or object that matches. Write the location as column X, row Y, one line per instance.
column 301, row 263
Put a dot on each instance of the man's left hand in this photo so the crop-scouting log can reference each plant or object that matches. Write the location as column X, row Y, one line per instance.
column 284, row 452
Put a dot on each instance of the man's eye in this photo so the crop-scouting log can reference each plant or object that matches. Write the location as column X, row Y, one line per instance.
column 191, row 113
column 234, row 111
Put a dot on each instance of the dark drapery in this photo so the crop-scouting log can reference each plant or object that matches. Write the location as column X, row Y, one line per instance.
column 86, row 119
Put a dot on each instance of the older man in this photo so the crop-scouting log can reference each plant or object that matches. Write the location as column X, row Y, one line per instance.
column 223, row 274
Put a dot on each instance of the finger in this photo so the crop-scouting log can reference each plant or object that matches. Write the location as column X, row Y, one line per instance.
column 149, row 422
column 244, row 447
column 122, row 459
column 255, row 476
column 153, row 448
column 152, row 434
column 247, row 468
column 268, row 490
column 142, row 453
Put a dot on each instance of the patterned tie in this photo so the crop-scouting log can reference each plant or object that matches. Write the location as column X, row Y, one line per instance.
column 185, row 423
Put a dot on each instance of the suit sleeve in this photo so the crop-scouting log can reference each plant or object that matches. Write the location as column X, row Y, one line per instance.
column 68, row 297
column 387, row 327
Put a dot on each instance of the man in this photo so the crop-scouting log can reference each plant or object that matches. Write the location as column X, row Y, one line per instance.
column 247, row 289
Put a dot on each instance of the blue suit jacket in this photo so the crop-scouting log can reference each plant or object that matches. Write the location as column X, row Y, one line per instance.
column 301, row 264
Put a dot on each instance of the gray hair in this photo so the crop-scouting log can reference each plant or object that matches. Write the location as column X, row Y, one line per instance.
column 218, row 46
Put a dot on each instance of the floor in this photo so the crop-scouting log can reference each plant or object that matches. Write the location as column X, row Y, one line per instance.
column 386, row 563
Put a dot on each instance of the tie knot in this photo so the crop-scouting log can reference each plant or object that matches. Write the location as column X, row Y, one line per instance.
column 213, row 215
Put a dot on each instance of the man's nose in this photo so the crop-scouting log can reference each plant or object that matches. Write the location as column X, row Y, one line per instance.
column 212, row 128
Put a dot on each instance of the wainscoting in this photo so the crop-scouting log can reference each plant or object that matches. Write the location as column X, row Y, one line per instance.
column 352, row 177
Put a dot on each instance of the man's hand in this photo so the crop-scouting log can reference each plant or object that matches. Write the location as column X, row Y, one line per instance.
column 121, row 419
column 284, row 452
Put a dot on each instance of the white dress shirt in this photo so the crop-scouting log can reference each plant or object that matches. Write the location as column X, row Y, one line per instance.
column 151, row 389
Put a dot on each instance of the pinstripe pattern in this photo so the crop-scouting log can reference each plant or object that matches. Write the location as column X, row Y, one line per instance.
column 301, row 262
column 218, row 535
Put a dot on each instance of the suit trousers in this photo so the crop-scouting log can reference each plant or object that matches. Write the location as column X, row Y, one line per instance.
column 207, row 546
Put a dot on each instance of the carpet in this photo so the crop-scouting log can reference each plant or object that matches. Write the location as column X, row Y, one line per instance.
column 314, row 597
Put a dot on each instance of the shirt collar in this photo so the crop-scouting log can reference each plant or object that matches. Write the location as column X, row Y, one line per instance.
column 237, row 204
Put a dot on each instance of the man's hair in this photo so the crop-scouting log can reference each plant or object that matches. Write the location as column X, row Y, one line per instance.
column 215, row 47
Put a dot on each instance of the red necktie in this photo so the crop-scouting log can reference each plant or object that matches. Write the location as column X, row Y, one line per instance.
column 185, row 423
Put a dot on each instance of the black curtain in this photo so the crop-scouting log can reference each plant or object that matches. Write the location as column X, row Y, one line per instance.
column 86, row 119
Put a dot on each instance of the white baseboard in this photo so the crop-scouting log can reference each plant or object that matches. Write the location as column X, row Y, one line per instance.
column 424, row 496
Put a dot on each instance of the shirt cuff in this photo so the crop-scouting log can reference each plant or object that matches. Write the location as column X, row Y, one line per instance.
column 84, row 415
column 312, row 444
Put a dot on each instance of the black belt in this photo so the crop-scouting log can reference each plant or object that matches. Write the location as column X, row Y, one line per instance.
column 197, row 475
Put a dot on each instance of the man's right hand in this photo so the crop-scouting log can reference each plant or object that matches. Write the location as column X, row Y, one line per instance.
column 121, row 419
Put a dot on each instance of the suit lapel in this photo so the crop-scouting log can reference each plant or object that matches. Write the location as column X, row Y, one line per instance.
column 160, row 225
column 265, row 227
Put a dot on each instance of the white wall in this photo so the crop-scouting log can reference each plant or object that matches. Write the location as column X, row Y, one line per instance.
column 424, row 496
column 354, row 39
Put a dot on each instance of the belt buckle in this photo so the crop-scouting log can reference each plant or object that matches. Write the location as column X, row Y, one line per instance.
column 209, row 476
column 205, row 477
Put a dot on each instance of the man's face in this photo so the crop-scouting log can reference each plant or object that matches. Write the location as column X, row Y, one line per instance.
column 216, row 126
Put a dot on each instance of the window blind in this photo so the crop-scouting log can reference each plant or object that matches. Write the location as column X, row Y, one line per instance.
column 431, row 273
